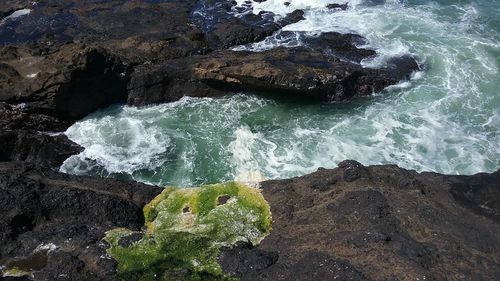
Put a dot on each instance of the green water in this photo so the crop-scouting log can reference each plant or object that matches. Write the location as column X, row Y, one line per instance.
column 446, row 119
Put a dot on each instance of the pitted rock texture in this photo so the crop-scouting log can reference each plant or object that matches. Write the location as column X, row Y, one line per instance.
column 376, row 223
column 42, row 207
column 384, row 223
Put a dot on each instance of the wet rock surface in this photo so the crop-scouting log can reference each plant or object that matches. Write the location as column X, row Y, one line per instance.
column 293, row 72
column 92, row 55
column 376, row 223
column 287, row 73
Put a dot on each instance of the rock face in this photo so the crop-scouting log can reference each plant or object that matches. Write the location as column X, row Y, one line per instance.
column 143, row 52
column 349, row 223
column 297, row 71
column 69, row 83
column 376, row 223
column 63, row 218
column 30, row 138
column 40, row 149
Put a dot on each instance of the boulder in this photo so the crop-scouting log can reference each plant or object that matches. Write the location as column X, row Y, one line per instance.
column 296, row 72
column 287, row 73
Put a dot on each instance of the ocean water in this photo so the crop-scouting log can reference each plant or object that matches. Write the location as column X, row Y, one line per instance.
column 446, row 119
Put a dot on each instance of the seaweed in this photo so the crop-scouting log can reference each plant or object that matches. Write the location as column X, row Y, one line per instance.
column 185, row 230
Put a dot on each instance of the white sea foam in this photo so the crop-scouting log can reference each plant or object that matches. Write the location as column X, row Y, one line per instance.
column 445, row 119
column 122, row 145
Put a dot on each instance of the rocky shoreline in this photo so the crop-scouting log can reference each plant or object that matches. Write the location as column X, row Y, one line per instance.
column 349, row 223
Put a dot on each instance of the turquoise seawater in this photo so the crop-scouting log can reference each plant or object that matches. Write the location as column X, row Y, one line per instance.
column 446, row 119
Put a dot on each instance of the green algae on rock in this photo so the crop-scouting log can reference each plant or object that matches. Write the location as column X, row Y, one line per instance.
column 185, row 228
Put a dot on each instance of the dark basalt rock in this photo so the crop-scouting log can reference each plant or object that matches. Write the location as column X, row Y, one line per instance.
column 237, row 32
column 372, row 228
column 31, row 138
column 292, row 17
column 402, row 67
column 39, row 206
column 129, row 240
column 137, row 31
column 69, row 84
column 480, row 193
column 13, row 118
column 167, row 82
column 342, row 46
column 388, row 224
column 10, row 6
column 245, row 261
column 144, row 53
column 320, row 266
column 341, row 7
column 327, row 68
column 296, row 71
column 226, row 26
column 349, row 223
column 39, row 149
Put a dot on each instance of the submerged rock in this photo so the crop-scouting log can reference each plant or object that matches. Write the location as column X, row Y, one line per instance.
column 342, row 46
column 335, row 6
column 186, row 228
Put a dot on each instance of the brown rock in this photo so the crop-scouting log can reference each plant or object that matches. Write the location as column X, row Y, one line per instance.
column 388, row 224
column 299, row 71
column 69, row 83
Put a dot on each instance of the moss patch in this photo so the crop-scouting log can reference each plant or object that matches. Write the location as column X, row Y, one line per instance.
column 185, row 229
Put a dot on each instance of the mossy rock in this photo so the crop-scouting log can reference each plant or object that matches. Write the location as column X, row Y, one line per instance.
column 185, row 229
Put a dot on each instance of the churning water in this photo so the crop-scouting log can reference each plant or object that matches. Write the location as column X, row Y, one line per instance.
column 446, row 119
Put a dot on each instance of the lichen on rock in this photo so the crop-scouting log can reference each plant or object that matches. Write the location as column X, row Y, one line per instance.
column 185, row 228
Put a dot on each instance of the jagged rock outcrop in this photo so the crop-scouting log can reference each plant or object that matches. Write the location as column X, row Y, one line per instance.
column 54, row 223
column 297, row 71
column 69, row 83
column 95, row 54
column 31, row 138
column 376, row 223
column 285, row 72
column 348, row 223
